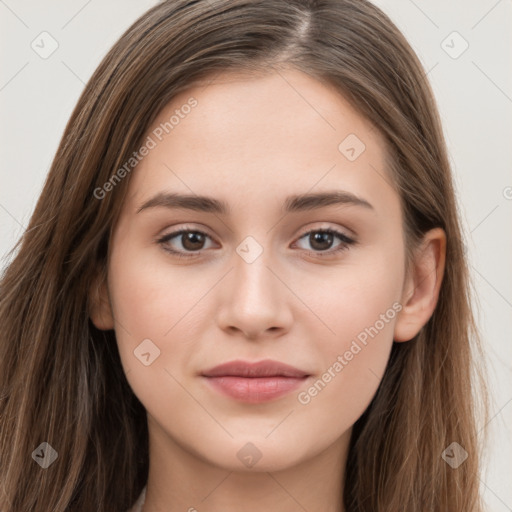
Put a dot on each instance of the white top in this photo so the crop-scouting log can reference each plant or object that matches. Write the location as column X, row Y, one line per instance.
column 137, row 507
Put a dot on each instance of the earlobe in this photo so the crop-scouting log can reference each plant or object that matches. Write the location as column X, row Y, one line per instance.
column 100, row 310
column 422, row 286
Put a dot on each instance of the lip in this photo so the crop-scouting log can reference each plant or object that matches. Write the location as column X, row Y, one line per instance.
column 254, row 382
column 265, row 368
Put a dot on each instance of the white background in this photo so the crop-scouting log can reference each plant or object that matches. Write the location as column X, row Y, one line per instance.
column 474, row 93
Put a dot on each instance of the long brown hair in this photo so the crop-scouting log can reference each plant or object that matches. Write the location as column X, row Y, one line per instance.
column 61, row 379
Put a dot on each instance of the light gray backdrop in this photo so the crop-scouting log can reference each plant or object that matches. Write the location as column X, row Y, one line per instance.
column 50, row 49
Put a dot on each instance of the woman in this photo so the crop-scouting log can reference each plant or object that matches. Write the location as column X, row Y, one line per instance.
column 244, row 285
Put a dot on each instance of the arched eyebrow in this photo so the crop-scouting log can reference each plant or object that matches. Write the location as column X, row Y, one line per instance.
column 293, row 203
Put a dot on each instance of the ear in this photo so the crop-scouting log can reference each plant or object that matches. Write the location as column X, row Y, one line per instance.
column 422, row 284
column 100, row 310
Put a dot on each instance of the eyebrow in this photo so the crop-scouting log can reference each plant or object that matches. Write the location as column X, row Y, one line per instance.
column 294, row 203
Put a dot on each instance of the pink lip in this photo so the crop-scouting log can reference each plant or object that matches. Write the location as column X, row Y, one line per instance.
column 255, row 382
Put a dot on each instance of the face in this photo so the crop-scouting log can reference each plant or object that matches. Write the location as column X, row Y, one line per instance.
column 259, row 271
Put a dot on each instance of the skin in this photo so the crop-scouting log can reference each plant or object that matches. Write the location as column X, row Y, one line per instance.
column 251, row 142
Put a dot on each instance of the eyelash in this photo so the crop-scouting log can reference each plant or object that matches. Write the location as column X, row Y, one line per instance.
column 344, row 245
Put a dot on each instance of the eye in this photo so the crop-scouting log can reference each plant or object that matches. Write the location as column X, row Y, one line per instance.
column 322, row 239
column 191, row 240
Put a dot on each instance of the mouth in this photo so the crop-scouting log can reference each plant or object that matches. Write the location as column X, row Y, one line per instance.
column 254, row 382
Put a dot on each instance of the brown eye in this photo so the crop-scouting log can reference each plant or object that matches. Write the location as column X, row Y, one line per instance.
column 190, row 241
column 321, row 240
column 193, row 240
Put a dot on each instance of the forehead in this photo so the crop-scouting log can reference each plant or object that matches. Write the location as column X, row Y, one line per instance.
column 278, row 133
column 250, row 109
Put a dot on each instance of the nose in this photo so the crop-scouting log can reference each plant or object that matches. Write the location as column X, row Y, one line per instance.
column 255, row 301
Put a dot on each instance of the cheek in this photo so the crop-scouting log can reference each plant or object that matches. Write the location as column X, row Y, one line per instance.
column 152, row 309
column 360, row 310
column 353, row 297
column 149, row 297
column 152, row 301
column 337, row 398
column 352, row 370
